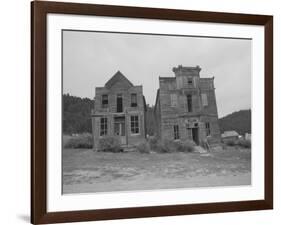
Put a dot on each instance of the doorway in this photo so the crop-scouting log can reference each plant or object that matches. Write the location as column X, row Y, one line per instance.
column 119, row 103
column 119, row 129
column 195, row 136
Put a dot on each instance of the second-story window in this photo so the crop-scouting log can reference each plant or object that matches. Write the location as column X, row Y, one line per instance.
column 104, row 101
column 189, row 103
column 174, row 100
column 119, row 103
column 134, row 101
column 204, row 98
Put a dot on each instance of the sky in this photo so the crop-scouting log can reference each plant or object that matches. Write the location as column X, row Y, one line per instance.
column 90, row 59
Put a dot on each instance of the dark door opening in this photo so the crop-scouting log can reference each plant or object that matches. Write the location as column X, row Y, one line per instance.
column 119, row 103
column 195, row 136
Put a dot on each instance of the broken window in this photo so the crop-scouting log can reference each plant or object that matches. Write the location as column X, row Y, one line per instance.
column 176, row 132
column 204, row 98
column 208, row 130
column 174, row 100
column 189, row 103
column 104, row 100
column 134, row 102
column 103, row 126
column 135, row 125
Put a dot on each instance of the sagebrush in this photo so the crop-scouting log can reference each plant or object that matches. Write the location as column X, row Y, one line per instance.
column 110, row 144
column 79, row 141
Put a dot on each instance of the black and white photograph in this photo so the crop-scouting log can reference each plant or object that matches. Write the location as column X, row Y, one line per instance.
column 144, row 112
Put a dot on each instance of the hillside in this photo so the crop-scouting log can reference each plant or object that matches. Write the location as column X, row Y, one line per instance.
column 76, row 114
column 239, row 121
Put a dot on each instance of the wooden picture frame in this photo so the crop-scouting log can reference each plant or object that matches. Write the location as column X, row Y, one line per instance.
column 39, row 11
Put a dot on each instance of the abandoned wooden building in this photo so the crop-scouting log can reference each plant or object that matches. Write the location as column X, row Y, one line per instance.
column 119, row 110
column 186, row 107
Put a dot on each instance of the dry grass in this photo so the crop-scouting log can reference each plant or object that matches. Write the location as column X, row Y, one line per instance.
column 88, row 171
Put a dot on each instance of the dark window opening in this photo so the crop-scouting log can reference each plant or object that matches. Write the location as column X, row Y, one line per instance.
column 134, row 102
column 189, row 81
column 189, row 103
column 119, row 103
column 176, row 132
column 135, row 125
column 208, row 129
column 104, row 101
column 103, row 126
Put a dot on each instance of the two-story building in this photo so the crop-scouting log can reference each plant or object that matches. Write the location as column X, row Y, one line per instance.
column 186, row 107
column 119, row 110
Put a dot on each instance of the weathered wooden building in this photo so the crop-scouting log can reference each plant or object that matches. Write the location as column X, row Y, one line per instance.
column 119, row 110
column 186, row 107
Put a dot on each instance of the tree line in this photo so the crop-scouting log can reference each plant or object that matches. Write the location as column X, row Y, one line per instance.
column 77, row 117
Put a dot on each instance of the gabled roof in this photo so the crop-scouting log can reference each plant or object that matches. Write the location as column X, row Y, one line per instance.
column 118, row 77
column 230, row 133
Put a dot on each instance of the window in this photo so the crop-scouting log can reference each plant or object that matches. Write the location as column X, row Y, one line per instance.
column 176, row 132
column 189, row 81
column 104, row 101
column 208, row 130
column 134, row 102
column 189, row 103
column 135, row 124
column 103, row 126
column 204, row 98
column 174, row 100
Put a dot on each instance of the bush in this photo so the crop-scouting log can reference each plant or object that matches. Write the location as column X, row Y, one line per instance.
column 168, row 146
column 187, row 146
column 153, row 141
column 143, row 147
column 110, row 144
column 230, row 142
column 244, row 143
column 164, row 146
column 80, row 141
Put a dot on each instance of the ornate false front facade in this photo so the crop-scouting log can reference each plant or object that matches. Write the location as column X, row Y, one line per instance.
column 186, row 107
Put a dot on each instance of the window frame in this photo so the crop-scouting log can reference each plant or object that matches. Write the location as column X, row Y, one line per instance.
column 208, row 129
column 135, row 97
column 103, row 105
column 103, row 126
column 189, row 103
column 204, row 98
column 176, row 132
column 134, row 125
column 174, row 100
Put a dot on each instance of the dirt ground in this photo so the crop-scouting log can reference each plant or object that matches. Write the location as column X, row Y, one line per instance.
column 85, row 171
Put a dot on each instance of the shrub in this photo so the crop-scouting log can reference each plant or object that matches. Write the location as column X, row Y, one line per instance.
column 244, row 143
column 187, row 146
column 143, row 147
column 80, row 141
column 153, row 141
column 110, row 144
column 164, row 146
column 168, row 146
column 230, row 142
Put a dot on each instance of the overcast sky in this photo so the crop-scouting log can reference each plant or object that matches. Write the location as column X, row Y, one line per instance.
column 90, row 59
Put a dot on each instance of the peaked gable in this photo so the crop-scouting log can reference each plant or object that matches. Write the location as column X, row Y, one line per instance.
column 118, row 77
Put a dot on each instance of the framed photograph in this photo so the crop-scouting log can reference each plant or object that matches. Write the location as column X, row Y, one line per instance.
column 145, row 112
